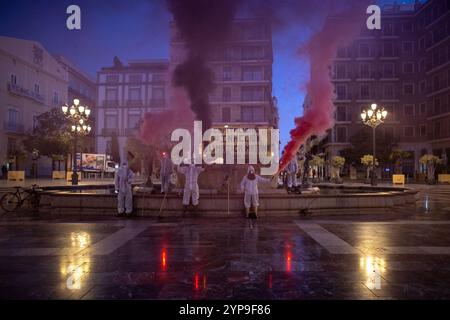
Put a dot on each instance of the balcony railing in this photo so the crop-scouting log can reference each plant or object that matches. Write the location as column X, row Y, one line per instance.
column 134, row 102
column 157, row 103
column 110, row 103
column 110, row 131
column 21, row 91
column 12, row 127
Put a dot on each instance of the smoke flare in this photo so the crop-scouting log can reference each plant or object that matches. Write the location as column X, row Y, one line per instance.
column 337, row 31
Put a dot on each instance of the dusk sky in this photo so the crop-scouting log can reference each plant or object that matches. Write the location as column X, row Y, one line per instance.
column 139, row 29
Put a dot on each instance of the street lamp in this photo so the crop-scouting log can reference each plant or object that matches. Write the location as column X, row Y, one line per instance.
column 373, row 117
column 77, row 115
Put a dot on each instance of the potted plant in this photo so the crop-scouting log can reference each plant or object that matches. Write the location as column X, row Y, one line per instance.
column 337, row 163
column 367, row 160
column 430, row 161
column 317, row 162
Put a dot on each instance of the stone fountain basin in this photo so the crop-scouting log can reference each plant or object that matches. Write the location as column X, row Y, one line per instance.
column 332, row 199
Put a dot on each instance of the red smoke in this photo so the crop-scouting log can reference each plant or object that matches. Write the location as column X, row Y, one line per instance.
column 321, row 50
column 157, row 127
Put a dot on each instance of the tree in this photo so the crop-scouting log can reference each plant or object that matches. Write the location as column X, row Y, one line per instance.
column 51, row 136
column 362, row 144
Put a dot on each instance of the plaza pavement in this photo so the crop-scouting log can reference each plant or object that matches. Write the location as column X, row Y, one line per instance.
column 400, row 255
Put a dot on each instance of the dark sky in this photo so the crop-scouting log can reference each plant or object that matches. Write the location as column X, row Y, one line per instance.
column 138, row 29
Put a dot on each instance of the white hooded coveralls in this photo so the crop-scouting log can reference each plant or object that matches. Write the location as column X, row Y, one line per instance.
column 292, row 169
column 165, row 173
column 191, row 174
column 122, row 182
column 250, row 188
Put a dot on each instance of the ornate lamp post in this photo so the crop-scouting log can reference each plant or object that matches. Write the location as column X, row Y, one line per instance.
column 78, row 116
column 373, row 117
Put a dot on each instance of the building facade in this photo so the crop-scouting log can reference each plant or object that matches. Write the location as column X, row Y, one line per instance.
column 31, row 82
column 81, row 86
column 243, row 75
column 124, row 94
column 405, row 68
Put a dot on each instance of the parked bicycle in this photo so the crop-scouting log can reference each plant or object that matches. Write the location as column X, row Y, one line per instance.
column 12, row 201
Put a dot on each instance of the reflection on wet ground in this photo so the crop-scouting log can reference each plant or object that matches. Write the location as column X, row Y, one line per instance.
column 401, row 255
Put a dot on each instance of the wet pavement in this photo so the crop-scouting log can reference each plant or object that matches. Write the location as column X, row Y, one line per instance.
column 401, row 255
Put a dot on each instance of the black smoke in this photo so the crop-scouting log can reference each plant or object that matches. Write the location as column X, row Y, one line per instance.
column 204, row 25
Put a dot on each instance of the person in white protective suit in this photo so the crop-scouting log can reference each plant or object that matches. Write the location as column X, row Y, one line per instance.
column 122, row 181
column 291, row 171
column 249, row 185
column 191, row 173
column 165, row 172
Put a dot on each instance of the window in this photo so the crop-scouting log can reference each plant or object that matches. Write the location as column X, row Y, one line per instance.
column 408, row 109
column 253, row 52
column 388, row 29
column 341, row 91
column 226, row 73
column 436, row 83
column 158, row 93
column 423, row 130
column 388, row 91
column 407, row 27
column 343, row 52
column 408, row 131
column 437, row 106
column 226, row 94
column 422, row 86
column 388, row 70
column 364, row 91
column 364, row 50
column 408, row 88
column 422, row 43
column 388, row 50
column 437, row 130
column 422, row 65
column 35, row 121
column 111, row 121
column 111, row 94
column 133, row 120
column 55, row 98
column 364, row 70
column 408, row 67
column 226, row 114
column 112, row 78
column 134, row 94
column 13, row 119
column 157, row 77
column 135, row 78
column 423, row 108
column 341, row 134
column 252, row 114
column 341, row 113
column 231, row 54
column 13, row 79
column 407, row 46
column 341, row 71
column 36, row 88
column 252, row 73
column 252, row 93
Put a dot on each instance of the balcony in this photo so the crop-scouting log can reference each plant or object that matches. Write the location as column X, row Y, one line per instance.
column 110, row 131
column 20, row 91
column 157, row 103
column 110, row 103
column 12, row 127
column 134, row 103
column 131, row 131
